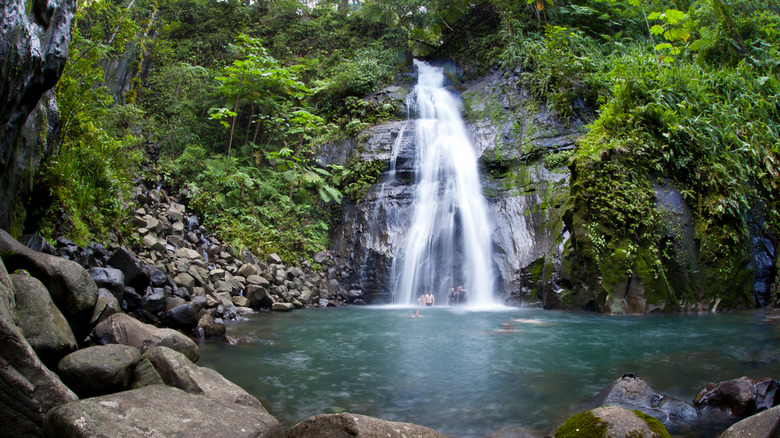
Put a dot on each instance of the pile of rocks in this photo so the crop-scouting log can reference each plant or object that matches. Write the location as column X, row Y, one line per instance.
column 73, row 364
column 178, row 275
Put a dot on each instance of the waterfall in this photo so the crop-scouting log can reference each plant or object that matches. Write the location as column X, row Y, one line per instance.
column 448, row 243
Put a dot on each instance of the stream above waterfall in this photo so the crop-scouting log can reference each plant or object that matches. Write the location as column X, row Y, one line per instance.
column 451, row 369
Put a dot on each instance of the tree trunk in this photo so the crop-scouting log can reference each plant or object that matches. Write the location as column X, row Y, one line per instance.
column 233, row 125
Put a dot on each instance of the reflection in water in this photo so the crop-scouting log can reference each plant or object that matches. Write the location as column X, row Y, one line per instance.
column 451, row 371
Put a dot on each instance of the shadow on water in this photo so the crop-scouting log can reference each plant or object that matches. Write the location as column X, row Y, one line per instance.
column 465, row 373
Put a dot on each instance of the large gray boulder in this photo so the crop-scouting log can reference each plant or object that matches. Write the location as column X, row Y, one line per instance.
column 762, row 425
column 124, row 329
column 176, row 370
column 43, row 325
column 99, row 370
column 357, row 426
column 631, row 392
column 158, row 411
column 71, row 287
column 28, row 389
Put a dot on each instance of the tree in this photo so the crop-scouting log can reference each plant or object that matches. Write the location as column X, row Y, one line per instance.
column 258, row 79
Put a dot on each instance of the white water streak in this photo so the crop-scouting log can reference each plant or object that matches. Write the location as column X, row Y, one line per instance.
column 449, row 241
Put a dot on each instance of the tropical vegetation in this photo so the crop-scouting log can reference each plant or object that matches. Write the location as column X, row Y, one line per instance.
column 238, row 97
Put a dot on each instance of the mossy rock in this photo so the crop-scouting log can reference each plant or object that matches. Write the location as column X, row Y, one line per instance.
column 611, row 422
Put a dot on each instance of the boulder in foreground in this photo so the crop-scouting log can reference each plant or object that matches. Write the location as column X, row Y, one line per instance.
column 762, row 425
column 158, row 410
column 124, row 329
column 357, row 426
column 611, row 422
column 28, row 388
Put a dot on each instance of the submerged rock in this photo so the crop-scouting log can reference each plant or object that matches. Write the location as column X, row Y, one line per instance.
column 762, row 425
column 631, row 392
column 176, row 370
column 739, row 397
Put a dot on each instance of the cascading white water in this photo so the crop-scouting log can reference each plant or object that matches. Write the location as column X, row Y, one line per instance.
column 449, row 242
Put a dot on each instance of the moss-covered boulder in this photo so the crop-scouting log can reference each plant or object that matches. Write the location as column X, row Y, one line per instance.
column 637, row 246
column 611, row 422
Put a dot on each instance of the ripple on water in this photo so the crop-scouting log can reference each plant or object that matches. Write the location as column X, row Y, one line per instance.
column 451, row 371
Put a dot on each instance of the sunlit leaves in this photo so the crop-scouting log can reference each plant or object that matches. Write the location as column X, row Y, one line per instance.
column 674, row 30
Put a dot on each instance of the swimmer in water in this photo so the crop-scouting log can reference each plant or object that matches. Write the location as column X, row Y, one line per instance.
column 529, row 321
column 507, row 327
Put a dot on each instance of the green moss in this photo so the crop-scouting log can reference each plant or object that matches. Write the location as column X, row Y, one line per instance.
column 557, row 160
column 656, row 426
column 582, row 425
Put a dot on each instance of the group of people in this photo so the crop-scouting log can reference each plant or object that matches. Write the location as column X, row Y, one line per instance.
column 454, row 298
column 457, row 297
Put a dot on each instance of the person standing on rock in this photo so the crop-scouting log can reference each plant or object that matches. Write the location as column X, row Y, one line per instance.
column 430, row 300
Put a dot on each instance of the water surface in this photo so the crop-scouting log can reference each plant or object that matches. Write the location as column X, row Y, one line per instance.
column 456, row 372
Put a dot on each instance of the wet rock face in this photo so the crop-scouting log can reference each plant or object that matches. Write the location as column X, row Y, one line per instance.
column 34, row 41
column 525, row 197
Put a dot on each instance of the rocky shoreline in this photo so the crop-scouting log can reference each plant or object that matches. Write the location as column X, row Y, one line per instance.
column 102, row 342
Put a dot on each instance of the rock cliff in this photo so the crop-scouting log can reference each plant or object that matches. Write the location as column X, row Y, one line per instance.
column 34, row 41
column 523, row 154
column 542, row 237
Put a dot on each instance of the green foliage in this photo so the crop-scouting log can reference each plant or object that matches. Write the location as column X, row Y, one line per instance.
column 265, row 82
column 356, row 179
column 265, row 210
column 674, row 29
column 90, row 178
column 340, row 95
column 258, row 79
column 559, row 70
column 714, row 131
column 558, row 159
column 174, row 99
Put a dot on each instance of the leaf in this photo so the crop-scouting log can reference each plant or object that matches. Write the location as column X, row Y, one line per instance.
column 673, row 16
column 657, row 29
column 328, row 193
column 681, row 34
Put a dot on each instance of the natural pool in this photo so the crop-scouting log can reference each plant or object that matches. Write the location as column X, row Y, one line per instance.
column 452, row 371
